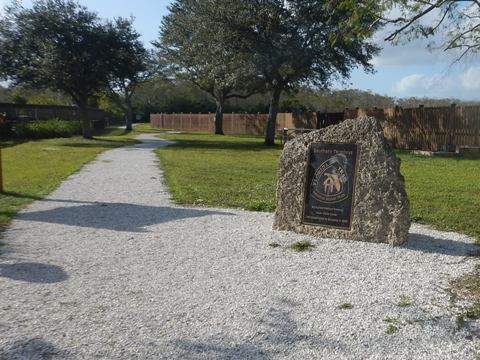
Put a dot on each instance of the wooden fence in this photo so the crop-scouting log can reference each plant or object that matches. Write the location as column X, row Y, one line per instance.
column 427, row 128
column 414, row 129
column 43, row 112
column 251, row 124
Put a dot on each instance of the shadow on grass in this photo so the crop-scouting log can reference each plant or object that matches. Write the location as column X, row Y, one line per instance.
column 224, row 145
column 95, row 143
column 6, row 143
column 20, row 195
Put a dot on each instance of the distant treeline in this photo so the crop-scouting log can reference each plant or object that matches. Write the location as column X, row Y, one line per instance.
column 160, row 95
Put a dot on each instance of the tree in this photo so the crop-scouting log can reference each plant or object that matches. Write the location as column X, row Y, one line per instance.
column 60, row 45
column 159, row 94
column 457, row 21
column 304, row 41
column 196, row 44
column 130, row 70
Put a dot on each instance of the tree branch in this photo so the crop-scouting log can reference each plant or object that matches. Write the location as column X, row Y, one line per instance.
column 394, row 35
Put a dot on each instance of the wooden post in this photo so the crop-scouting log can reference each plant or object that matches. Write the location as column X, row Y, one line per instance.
column 1, row 172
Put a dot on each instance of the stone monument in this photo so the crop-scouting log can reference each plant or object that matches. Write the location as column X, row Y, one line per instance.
column 343, row 182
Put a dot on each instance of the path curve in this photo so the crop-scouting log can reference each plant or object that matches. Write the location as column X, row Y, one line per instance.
column 108, row 267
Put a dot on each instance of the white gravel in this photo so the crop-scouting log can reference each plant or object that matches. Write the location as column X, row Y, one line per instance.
column 107, row 267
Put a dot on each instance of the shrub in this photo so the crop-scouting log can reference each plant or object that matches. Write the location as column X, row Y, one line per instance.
column 5, row 127
column 45, row 129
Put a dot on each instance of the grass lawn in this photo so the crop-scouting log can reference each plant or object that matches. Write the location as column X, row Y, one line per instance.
column 239, row 171
column 32, row 169
column 225, row 171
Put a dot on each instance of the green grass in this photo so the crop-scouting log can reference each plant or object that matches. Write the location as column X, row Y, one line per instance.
column 444, row 192
column 226, row 171
column 32, row 169
column 239, row 171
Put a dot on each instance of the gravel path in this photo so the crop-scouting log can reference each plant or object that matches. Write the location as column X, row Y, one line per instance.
column 107, row 267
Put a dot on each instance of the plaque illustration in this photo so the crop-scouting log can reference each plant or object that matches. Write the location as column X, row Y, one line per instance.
column 330, row 181
column 329, row 186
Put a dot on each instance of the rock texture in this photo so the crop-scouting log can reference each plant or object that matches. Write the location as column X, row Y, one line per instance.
column 381, row 207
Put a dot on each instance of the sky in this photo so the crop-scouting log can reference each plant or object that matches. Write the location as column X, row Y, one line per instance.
column 400, row 71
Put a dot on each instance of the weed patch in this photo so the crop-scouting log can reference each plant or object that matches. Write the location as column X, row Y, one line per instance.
column 404, row 301
column 303, row 245
column 391, row 329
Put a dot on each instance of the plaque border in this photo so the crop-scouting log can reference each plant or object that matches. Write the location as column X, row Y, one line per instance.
column 357, row 160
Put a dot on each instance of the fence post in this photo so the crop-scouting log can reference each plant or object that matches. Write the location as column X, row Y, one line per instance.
column 452, row 126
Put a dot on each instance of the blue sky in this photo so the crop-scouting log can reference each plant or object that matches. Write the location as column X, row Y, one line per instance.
column 401, row 71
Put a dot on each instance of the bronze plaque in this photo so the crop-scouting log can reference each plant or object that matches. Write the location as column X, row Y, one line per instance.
column 330, row 185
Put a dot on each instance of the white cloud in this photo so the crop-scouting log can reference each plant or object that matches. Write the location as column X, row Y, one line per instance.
column 419, row 83
column 407, row 84
column 470, row 79
column 464, row 85
column 412, row 53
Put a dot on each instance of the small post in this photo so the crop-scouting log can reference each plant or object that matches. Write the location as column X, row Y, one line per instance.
column 1, row 172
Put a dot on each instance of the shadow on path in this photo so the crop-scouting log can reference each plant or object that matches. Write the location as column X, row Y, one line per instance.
column 278, row 334
column 430, row 244
column 33, row 349
column 115, row 216
column 149, row 143
column 33, row 273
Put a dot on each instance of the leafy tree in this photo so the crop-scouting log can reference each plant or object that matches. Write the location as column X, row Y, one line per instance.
column 159, row 94
column 457, row 21
column 131, row 69
column 196, row 45
column 60, row 45
column 298, row 41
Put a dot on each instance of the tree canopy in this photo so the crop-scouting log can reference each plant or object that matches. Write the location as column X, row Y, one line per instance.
column 61, row 45
column 196, row 44
column 303, row 41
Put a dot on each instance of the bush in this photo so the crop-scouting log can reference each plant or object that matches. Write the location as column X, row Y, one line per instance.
column 45, row 129
column 5, row 127
column 5, row 130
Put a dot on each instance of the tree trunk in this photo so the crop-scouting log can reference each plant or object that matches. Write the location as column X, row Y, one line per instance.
column 219, row 117
column 86, row 123
column 129, row 116
column 272, row 115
